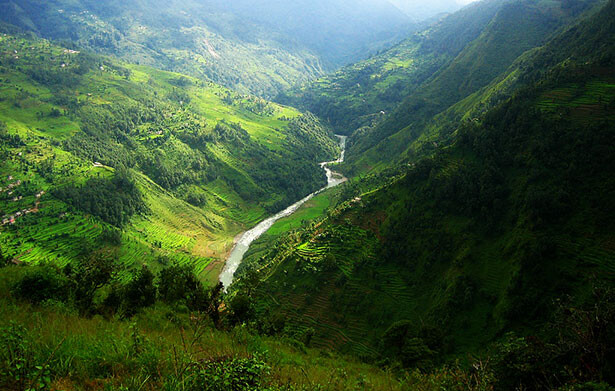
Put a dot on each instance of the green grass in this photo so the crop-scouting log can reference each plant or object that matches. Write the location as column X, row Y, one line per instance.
column 146, row 350
column 312, row 209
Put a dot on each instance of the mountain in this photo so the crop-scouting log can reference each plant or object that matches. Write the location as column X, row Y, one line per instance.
column 488, row 243
column 471, row 246
column 517, row 28
column 146, row 165
column 247, row 46
column 356, row 95
column 339, row 31
column 392, row 96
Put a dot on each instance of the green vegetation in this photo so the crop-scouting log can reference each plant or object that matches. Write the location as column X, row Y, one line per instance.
column 361, row 94
column 157, row 343
column 504, row 226
column 252, row 47
column 114, row 201
column 182, row 36
column 162, row 346
column 471, row 249
column 484, row 73
column 148, row 165
column 404, row 99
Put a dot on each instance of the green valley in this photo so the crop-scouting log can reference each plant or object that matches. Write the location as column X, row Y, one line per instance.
column 477, row 238
column 427, row 203
column 234, row 44
column 76, row 124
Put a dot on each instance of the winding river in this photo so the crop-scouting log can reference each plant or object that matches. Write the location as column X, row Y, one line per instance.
column 243, row 244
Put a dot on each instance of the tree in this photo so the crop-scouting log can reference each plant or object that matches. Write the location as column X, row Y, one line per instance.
column 140, row 292
column 213, row 307
column 87, row 276
column 41, row 284
column 401, row 342
column 241, row 309
column 177, row 284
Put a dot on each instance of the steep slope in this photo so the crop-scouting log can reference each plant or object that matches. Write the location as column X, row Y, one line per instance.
column 144, row 164
column 517, row 28
column 357, row 95
column 474, row 241
column 248, row 47
column 186, row 36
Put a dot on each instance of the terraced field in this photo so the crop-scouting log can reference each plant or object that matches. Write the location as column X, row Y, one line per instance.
column 202, row 157
column 588, row 102
column 589, row 254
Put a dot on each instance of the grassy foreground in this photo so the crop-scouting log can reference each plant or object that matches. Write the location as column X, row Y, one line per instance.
column 49, row 346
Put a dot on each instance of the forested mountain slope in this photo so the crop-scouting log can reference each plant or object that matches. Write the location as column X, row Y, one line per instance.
column 517, row 28
column 357, row 94
column 504, row 228
column 247, row 46
column 401, row 91
column 143, row 165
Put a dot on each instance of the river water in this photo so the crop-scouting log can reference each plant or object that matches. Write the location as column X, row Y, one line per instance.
column 243, row 244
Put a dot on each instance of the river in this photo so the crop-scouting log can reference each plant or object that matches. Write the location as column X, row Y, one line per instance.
column 243, row 244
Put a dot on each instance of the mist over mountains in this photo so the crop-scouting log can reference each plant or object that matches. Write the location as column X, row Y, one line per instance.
column 259, row 46
column 420, row 10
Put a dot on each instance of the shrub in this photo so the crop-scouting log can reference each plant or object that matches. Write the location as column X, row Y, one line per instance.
column 405, row 344
column 230, row 374
column 240, row 309
column 177, row 284
column 41, row 284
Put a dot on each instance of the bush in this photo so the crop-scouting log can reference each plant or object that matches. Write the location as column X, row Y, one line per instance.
column 41, row 284
column 241, row 309
column 405, row 344
column 177, row 284
column 230, row 374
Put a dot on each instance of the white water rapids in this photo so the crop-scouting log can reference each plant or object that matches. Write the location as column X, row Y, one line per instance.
column 243, row 244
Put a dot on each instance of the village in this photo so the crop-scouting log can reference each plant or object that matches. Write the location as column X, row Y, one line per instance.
column 9, row 190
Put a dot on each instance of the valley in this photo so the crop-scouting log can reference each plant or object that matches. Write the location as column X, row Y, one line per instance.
column 306, row 196
column 243, row 243
column 54, row 117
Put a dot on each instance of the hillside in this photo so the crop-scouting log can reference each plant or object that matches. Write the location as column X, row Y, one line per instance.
column 357, row 95
column 338, row 31
column 148, row 166
column 469, row 245
column 516, row 30
column 488, row 234
column 249, row 47
column 390, row 99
